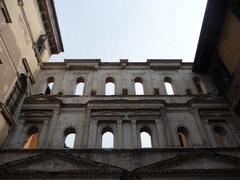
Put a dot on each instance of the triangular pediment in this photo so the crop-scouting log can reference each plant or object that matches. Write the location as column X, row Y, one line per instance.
column 40, row 98
column 196, row 161
column 57, row 162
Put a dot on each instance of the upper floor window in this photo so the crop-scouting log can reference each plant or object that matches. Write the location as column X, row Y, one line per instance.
column 110, row 86
column 146, row 139
column 79, row 87
column 199, row 85
column 32, row 139
column 168, row 86
column 219, row 135
column 138, row 83
column 50, row 83
column 5, row 12
column 41, row 43
column 70, row 135
column 17, row 94
column 183, row 136
column 107, row 138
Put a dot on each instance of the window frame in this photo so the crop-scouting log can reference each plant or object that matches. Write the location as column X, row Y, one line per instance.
column 5, row 12
column 16, row 94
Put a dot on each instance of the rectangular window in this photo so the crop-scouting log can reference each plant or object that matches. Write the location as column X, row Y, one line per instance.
column 41, row 43
column 221, row 75
column 16, row 95
column 5, row 12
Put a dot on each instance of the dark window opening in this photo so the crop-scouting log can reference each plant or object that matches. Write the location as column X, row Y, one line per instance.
column 222, row 76
column 17, row 94
column 219, row 135
column 41, row 43
column 183, row 137
column 125, row 92
column 156, row 91
column 5, row 11
column 198, row 85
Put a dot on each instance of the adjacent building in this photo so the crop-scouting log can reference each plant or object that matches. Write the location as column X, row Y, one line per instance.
column 218, row 51
column 29, row 35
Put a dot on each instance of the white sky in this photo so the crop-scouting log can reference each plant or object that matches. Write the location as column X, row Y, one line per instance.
column 129, row 29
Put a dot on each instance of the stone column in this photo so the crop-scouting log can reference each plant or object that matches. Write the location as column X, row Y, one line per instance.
column 148, row 90
column 210, row 134
column 95, row 80
column 43, row 135
column 92, row 134
column 200, row 127
column 52, row 127
column 119, row 134
column 79, row 139
column 86, row 129
column 232, row 131
column 18, row 138
column 134, row 134
column 166, row 129
column 160, row 133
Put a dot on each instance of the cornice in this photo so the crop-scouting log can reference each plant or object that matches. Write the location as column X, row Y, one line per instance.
column 50, row 21
column 96, row 64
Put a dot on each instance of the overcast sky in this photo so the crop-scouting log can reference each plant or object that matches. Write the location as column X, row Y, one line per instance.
column 129, row 29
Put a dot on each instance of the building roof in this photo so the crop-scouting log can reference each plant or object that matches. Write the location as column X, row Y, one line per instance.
column 50, row 21
column 210, row 33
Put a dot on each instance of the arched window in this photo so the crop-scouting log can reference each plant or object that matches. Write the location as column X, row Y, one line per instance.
column 198, row 85
column 183, row 136
column 138, row 84
column 32, row 139
column 168, row 86
column 219, row 135
column 50, row 83
column 107, row 138
column 146, row 139
column 110, row 86
column 79, row 87
column 70, row 135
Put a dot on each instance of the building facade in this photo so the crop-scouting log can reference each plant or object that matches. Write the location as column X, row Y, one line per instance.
column 87, row 119
column 29, row 35
column 191, row 130
column 218, row 48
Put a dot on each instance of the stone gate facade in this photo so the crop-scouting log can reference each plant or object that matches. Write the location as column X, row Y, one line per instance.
column 193, row 132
